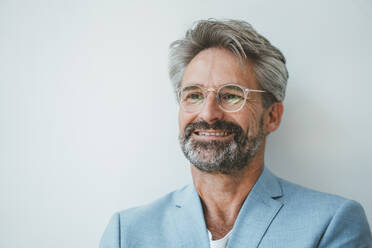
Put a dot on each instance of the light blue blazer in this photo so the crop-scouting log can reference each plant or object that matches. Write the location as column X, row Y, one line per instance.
column 276, row 213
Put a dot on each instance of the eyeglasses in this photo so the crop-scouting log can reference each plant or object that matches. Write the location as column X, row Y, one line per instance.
column 230, row 97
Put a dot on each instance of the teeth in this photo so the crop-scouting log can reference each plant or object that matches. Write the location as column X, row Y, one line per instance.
column 213, row 134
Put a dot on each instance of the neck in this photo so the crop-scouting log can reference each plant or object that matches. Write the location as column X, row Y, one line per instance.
column 223, row 195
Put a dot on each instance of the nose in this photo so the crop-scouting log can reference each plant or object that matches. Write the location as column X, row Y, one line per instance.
column 211, row 112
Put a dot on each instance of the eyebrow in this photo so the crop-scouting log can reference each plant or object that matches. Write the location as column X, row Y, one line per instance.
column 190, row 84
column 184, row 84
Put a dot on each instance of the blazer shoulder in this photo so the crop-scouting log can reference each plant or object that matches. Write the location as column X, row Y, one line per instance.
column 343, row 221
column 142, row 221
column 294, row 192
column 348, row 227
column 150, row 216
column 155, row 208
column 331, row 220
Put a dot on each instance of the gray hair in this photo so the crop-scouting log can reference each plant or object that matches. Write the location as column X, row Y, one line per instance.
column 240, row 38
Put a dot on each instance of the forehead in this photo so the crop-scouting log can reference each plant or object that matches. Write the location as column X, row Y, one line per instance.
column 217, row 66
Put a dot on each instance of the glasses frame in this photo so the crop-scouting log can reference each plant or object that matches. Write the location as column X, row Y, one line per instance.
column 208, row 90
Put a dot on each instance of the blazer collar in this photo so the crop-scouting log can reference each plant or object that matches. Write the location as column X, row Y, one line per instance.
column 258, row 211
column 189, row 220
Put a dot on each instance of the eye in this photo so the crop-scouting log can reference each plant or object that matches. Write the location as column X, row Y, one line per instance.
column 231, row 99
column 193, row 98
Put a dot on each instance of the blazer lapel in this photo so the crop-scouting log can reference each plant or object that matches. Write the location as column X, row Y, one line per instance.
column 189, row 219
column 257, row 212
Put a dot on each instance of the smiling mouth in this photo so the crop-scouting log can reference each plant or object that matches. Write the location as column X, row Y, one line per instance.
column 212, row 133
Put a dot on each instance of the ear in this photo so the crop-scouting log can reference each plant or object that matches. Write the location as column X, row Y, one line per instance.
column 273, row 116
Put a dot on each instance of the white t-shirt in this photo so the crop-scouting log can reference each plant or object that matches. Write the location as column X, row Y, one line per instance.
column 220, row 243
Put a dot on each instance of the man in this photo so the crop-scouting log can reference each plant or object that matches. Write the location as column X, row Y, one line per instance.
column 230, row 83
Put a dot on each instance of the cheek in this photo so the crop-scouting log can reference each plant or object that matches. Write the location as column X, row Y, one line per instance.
column 183, row 120
column 251, row 124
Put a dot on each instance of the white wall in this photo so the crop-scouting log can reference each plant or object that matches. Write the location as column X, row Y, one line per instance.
column 88, row 122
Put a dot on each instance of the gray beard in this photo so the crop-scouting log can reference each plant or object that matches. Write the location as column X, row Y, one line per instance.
column 226, row 157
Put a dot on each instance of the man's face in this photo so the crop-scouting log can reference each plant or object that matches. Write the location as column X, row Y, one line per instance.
column 214, row 140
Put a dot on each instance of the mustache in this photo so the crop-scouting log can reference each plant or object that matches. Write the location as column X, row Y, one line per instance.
column 226, row 126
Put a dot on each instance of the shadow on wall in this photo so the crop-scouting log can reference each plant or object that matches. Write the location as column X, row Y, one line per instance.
column 314, row 146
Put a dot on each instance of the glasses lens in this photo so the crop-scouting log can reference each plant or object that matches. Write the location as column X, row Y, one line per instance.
column 191, row 98
column 231, row 97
